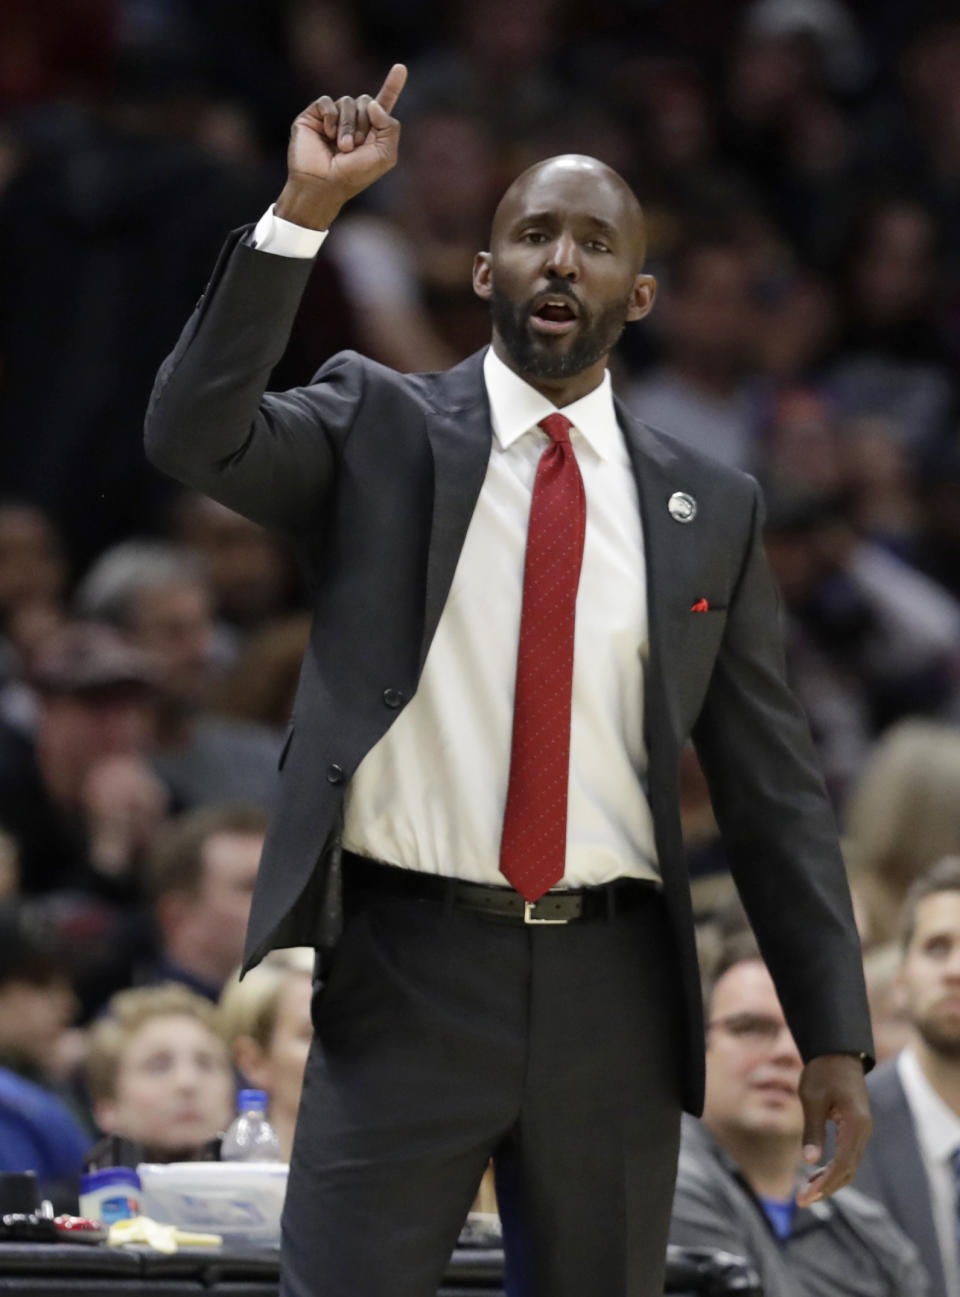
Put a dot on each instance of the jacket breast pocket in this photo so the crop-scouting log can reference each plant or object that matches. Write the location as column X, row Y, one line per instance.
column 689, row 661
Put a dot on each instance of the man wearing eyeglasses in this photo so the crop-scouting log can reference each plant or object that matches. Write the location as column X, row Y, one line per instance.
column 741, row 1166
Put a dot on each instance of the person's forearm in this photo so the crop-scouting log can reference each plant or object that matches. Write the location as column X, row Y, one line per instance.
column 208, row 391
column 208, row 423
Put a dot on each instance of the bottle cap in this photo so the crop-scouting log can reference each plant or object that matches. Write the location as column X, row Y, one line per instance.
column 110, row 1177
column 252, row 1100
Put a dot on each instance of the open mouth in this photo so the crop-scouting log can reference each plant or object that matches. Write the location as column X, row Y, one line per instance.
column 554, row 314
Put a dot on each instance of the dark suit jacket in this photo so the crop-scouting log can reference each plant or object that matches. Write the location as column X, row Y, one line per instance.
column 376, row 475
column 892, row 1170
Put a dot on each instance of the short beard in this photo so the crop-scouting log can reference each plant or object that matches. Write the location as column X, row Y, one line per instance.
column 595, row 339
column 943, row 1043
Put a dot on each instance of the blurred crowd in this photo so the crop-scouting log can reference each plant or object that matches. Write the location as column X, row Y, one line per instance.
column 799, row 166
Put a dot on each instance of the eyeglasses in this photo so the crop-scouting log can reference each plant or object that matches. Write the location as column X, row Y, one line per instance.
column 751, row 1028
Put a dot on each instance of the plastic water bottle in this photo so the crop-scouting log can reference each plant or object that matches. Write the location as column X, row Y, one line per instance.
column 250, row 1137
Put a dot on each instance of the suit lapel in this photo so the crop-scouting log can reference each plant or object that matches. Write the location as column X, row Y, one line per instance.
column 905, row 1188
column 670, row 549
column 459, row 431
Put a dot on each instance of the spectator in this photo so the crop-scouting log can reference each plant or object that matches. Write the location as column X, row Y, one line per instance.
column 202, row 874
column 250, row 572
column 160, row 596
column 266, row 1021
column 704, row 392
column 408, row 275
column 37, row 1004
column 910, row 1164
column 38, row 1133
column 159, row 1073
column 79, row 797
column 902, row 816
column 862, row 626
column 113, row 207
column 261, row 685
column 740, row 1168
column 878, row 476
column 891, row 360
column 32, row 568
column 891, row 1026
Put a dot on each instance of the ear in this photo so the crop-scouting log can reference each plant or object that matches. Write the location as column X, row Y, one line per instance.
column 482, row 281
column 642, row 297
column 251, row 1061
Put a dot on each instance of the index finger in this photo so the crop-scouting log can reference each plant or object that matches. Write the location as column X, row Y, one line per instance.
column 393, row 83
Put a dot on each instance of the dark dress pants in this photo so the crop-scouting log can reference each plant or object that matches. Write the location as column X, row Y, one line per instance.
column 443, row 1037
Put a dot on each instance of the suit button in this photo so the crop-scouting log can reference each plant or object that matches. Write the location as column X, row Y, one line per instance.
column 394, row 697
column 335, row 774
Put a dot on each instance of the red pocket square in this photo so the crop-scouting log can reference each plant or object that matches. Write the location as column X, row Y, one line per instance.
column 700, row 606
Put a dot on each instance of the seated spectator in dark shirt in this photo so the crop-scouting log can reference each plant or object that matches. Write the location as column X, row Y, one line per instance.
column 37, row 1003
column 159, row 1073
column 740, row 1168
column 201, row 876
column 160, row 597
column 79, row 798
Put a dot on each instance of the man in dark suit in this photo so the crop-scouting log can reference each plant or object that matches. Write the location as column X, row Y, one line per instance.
column 913, row 1164
column 520, row 617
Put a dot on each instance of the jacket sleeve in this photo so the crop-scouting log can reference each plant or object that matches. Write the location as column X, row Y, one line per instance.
column 754, row 745
column 270, row 457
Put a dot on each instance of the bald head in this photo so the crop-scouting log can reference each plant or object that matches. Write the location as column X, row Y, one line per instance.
column 585, row 180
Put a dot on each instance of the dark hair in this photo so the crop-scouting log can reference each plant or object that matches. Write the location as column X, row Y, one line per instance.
column 31, row 948
column 176, row 863
column 726, row 941
column 944, row 876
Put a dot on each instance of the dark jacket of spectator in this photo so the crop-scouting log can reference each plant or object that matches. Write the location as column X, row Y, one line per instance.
column 844, row 1246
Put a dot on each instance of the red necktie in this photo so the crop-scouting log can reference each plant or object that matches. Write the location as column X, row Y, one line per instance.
column 534, row 843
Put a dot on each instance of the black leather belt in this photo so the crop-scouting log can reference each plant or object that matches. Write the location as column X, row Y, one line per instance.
column 365, row 876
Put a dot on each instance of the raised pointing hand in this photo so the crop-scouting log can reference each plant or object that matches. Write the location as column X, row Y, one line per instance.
column 338, row 148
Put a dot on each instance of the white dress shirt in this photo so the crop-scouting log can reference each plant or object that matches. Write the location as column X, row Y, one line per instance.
column 938, row 1135
column 431, row 794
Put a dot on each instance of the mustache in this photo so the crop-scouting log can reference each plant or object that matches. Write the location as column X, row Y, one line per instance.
column 558, row 288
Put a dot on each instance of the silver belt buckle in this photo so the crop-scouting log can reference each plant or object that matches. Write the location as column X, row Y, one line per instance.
column 531, row 918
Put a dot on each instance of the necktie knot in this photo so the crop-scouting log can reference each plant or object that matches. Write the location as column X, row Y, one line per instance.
column 557, row 427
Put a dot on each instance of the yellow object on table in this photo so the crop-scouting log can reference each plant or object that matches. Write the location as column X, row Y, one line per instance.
column 163, row 1238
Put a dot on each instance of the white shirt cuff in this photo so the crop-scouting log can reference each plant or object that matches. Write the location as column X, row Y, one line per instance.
column 284, row 239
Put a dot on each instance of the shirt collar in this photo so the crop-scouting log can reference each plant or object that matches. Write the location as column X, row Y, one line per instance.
column 516, row 407
column 938, row 1126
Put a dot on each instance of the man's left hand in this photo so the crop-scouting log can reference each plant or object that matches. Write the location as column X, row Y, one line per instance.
column 832, row 1088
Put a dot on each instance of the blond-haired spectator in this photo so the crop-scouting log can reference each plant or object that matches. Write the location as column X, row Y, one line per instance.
column 159, row 1072
column 266, row 1021
column 903, row 816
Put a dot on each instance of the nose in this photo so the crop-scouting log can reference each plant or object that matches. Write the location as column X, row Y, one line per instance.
column 562, row 259
column 186, row 1076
